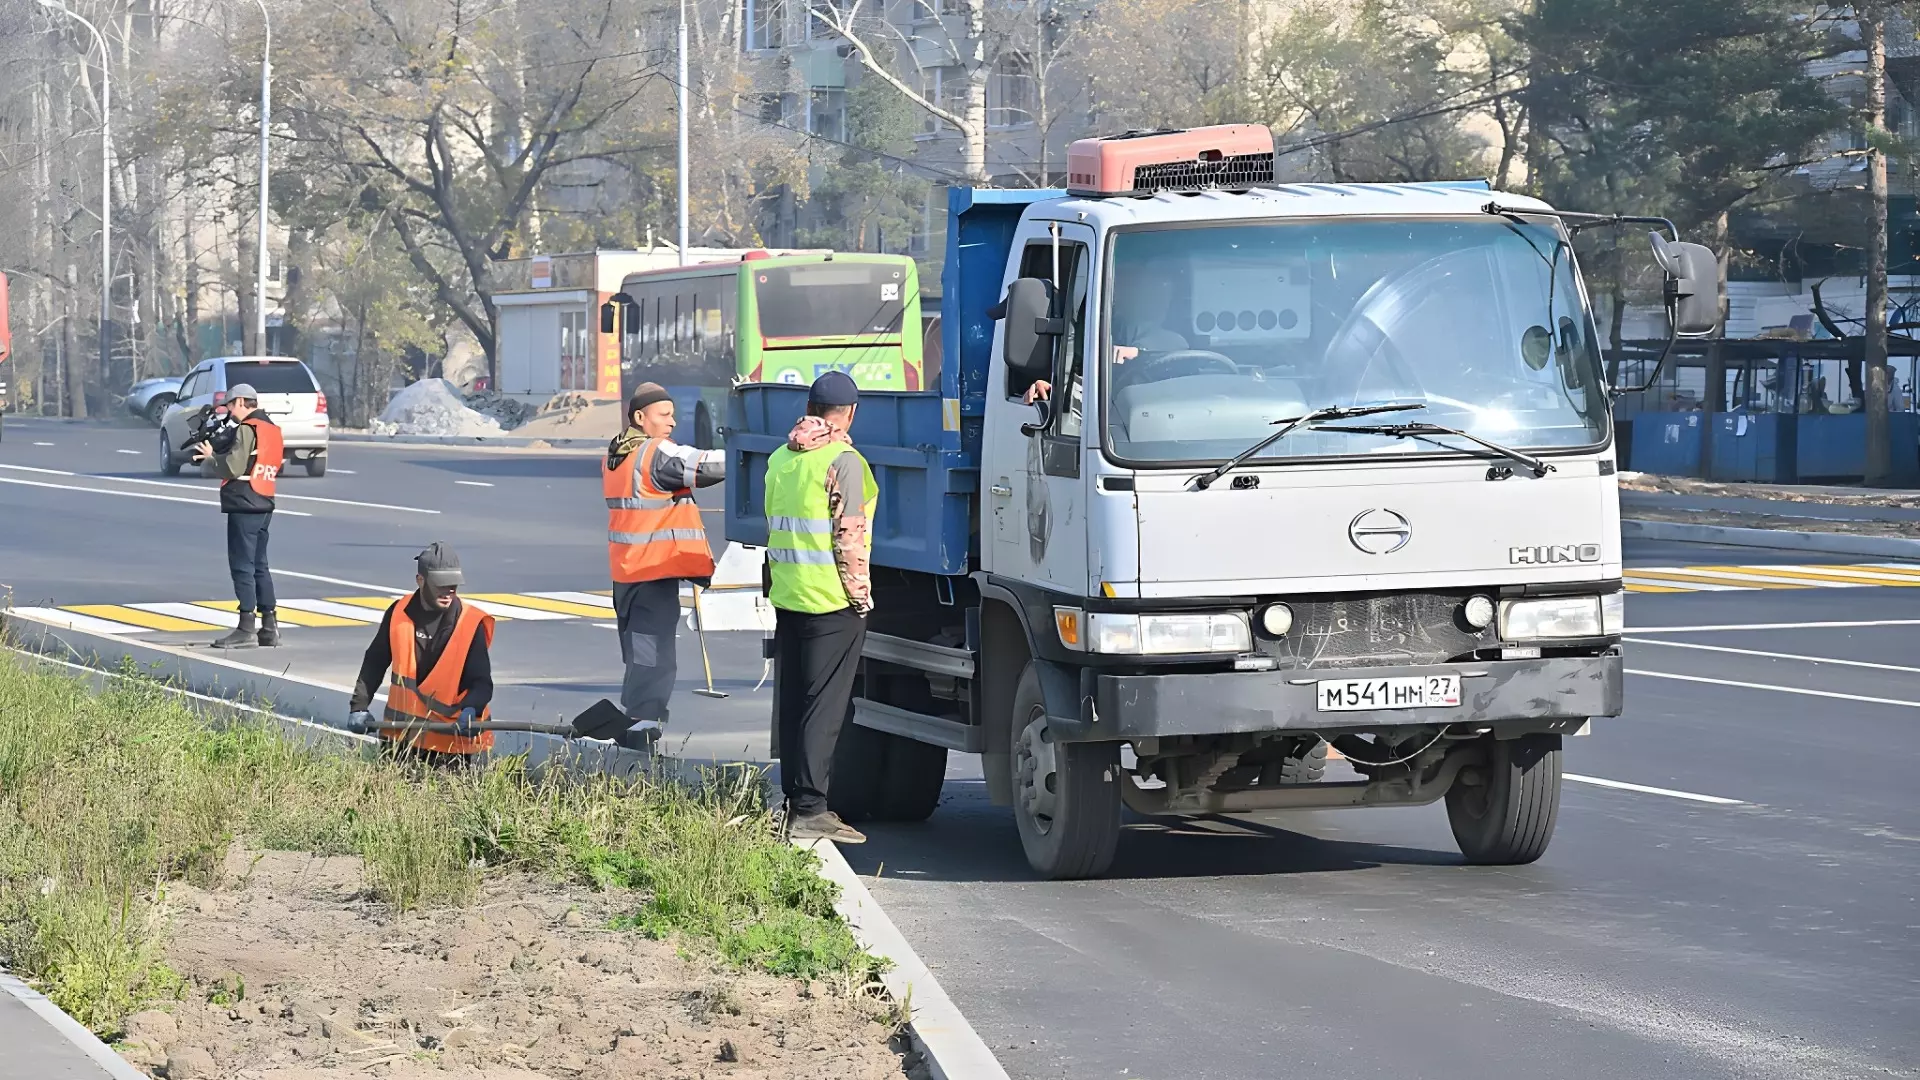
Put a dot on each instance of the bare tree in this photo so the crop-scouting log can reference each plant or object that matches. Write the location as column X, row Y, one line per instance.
column 967, row 50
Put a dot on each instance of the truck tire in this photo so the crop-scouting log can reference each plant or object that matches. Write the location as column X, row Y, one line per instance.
column 914, row 774
column 879, row 776
column 1507, row 818
column 1305, row 768
column 1066, row 796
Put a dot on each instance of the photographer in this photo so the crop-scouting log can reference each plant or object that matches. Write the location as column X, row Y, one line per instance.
column 247, row 456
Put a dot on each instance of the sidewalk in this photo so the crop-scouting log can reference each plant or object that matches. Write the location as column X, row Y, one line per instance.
column 1832, row 520
column 44, row 1044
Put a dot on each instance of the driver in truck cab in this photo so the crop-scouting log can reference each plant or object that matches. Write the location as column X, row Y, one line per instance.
column 1141, row 301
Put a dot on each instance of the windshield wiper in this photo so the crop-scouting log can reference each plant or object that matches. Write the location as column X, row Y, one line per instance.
column 1417, row 430
column 1202, row 483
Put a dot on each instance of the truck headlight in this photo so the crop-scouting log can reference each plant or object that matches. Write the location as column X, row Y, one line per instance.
column 1556, row 617
column 1168, row 635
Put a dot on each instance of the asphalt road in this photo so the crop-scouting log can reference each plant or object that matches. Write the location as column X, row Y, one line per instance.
column 1744, row 906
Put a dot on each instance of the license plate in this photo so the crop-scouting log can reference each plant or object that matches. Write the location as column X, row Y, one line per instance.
column 1406, row 692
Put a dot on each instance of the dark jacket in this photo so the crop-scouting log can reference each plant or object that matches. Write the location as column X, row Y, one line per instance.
column 432, row 628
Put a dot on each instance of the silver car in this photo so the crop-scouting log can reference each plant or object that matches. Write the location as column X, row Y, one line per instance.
column 149, row 398
column 288, row 394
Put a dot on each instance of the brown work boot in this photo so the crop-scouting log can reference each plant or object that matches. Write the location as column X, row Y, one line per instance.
column 242, row 636
column 825, row 825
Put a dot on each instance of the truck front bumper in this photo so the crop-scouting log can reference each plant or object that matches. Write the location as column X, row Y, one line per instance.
column 1148, row 706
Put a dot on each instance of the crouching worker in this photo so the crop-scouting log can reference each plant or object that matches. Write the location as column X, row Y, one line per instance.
column 436, row 647
column 655, row 540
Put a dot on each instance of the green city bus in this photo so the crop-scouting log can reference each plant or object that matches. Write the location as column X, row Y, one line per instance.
column 697, row 330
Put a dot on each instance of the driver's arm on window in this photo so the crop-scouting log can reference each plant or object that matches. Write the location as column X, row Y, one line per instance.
column 1041, row 390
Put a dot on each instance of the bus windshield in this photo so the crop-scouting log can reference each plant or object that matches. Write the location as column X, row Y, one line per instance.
column 1216, row 332
column 831, row 299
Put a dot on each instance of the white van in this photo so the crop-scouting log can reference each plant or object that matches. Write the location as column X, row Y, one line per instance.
column 288, row 394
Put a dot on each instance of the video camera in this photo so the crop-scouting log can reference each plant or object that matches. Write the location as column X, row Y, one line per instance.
column 214, row 426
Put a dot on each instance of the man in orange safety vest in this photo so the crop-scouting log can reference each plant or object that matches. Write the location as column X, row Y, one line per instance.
column 655, row 540
column 437, row 648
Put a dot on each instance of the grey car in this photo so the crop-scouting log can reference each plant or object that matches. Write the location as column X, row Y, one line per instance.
column 149, row 398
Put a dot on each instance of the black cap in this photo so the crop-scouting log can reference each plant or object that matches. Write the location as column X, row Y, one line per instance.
column 440, row 565
column 647, row 393
column 834, row 388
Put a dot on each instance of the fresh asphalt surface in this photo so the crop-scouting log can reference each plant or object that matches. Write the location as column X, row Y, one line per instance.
column 1769, row 934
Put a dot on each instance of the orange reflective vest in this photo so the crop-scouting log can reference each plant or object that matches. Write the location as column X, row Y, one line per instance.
column 651, row 534
column 254, row 491
column 436, row 698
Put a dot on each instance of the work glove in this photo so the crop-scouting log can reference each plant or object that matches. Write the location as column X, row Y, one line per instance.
column 463, row 725
column 361, row 722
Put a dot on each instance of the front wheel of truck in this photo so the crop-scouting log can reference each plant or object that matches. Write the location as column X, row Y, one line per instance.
column 1066, row 796
column 1503, row 809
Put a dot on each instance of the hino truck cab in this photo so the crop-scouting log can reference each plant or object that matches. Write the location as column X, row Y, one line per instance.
column 1261, row 469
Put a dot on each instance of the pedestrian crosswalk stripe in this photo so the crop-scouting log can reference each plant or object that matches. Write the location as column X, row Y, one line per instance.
column 1672, row 579
column 288, row 614
column 344, row 612
column 501, row 609
column 544, row 603
column 599, row 601
column 138, row 619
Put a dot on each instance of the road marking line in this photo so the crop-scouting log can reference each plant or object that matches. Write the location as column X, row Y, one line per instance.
column 346, row 472
column 1787, row 576
column 344, row 612
column 1635, row 586
column 288, row 613
column 1780, row 689
column 190, row 613
column 43, row 444
column 1694, row 584
column 135, row 453
column 1774, row 655
column 136, row 617
column 593, row 600
column 1765, row 626
column 1719, row 583
column 1863, row 576
column 1800, row 573
column 1645, row 790
column 341, row 581
column 371, row 603
column 1902, row 569
column 202, row 487
column 72, row 620
column 502, row 610
column 542, row 603
column 127, row 494
column 473, row 483
column 608, row 625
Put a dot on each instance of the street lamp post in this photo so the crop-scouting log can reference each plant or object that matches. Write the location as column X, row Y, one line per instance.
column 106, row 182
column 266, row 111
column 680, row 97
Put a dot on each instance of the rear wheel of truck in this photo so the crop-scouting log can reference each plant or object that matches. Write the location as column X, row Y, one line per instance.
column 1503, row 810
column 1066, row 796
column 879, row 776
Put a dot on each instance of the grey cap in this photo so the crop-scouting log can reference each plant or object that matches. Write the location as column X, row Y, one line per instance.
column 440, row 565
column 242, row 390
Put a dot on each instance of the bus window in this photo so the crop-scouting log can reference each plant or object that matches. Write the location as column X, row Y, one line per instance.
column 842, row 299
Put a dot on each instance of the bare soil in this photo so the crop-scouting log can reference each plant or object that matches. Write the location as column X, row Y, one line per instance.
column 293, row 974
column 1681, row 485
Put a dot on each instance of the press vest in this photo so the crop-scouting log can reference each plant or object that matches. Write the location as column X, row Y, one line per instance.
column 651, row 534
column 436, row 698
column 252, row 493
column 800, row 528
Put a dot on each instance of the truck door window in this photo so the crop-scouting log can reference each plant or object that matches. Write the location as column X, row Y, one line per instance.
column 1037, row 261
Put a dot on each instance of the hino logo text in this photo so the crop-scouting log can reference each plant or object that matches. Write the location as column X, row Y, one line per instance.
column 1554, row 553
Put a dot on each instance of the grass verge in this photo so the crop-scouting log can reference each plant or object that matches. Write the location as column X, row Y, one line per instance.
column 107, row 797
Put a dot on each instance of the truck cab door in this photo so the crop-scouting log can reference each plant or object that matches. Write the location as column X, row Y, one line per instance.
column 1036, row 494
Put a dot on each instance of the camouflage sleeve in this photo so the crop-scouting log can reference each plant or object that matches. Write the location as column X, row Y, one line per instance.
column 851, row 543
column 232, row 465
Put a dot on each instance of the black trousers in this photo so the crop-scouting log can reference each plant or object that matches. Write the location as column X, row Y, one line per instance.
column 815, row 660
column 247, row 561
column 648, row 616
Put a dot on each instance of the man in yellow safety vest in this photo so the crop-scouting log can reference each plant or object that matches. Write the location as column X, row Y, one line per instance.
column 655, row 540
column 820, row 500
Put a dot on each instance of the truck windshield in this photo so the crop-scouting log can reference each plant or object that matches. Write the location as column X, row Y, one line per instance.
column 1215, row 332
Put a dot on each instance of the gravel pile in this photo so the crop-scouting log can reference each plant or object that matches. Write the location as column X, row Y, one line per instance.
column 432, row 407
column 508, row 412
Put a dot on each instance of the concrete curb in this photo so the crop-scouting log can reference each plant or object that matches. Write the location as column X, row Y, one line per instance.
column 71, row 1030
column 1879, row 547
column 522, row 441
column 954, row 1051
column 302, row 709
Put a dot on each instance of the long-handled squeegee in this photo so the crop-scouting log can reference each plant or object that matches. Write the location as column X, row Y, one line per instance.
column 602, row 720
column 700, row 629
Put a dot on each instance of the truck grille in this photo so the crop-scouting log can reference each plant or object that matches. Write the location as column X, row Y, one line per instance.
column 1239, row 171
column 1364, row 631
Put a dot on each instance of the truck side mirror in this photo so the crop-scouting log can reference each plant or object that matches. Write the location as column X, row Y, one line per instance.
column 1031, row 326
column 606, row 317
column 1693, row 286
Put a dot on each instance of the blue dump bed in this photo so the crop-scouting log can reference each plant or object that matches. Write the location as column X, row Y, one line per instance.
column 924, row 446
